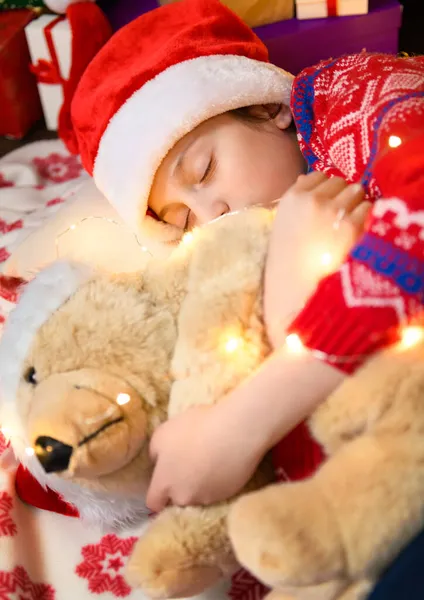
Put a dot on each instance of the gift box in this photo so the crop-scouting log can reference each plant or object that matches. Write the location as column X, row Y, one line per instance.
column 18, row 4
column 256, row 12
column 296, row 44
column 19, row 101
column 50, row 45
column 319, row 9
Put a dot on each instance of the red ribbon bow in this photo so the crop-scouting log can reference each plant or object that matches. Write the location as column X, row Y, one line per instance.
column 49, row 71
column 46, row 72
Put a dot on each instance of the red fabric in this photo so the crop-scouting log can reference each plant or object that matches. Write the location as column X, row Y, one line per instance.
column 359, row 106
column 146, row 47
column 90, row 32
column 20, row 104
column 32, row 493
column 297, row 456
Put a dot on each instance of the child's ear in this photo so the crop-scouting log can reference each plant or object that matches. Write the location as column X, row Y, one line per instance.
column 283, row 118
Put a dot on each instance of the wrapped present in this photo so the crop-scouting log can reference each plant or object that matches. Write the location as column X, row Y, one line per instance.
column 257, row 12
column 49, row 40
column 19, row 101
column 296, row 44
column 319, row 9
column 19, row 4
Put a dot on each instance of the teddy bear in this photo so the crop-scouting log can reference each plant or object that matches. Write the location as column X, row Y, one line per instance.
column 91, row 363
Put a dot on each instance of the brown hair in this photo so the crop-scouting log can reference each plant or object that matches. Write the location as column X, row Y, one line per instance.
column 260, row 113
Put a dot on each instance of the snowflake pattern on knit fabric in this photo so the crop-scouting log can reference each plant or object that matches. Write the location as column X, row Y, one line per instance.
column 342, row 108
column 104, row 563
column 17, row 585
column 362, row 117
column 8, row 526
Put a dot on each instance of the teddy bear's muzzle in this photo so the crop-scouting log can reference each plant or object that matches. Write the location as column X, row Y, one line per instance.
column 55, row 456
column 86, row 424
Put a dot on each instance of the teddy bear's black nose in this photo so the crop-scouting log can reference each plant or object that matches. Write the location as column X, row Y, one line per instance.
column 53, row 455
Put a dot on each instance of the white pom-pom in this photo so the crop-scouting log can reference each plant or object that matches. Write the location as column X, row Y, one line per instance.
column 60, row 6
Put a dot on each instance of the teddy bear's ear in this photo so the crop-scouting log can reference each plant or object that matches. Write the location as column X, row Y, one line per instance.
column 40, row 298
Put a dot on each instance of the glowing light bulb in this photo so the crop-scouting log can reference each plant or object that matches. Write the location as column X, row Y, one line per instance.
column 29, row 451
column 411, row 336
column 326, row 259
column 187, row 238
column 394, row 141
column 232, row 344
column 72, row 227
column 294, row 343
column 122, row 399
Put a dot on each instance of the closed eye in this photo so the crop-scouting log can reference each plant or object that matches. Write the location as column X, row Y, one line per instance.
column 209, row 171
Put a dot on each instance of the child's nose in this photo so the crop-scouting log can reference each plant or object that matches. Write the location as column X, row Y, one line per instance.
column 210, row 211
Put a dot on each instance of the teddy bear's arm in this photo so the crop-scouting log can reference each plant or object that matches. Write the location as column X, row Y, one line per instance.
column 348, row 521
column 221, row 334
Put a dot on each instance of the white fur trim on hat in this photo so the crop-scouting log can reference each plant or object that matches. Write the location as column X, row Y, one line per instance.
column 157, row 116
column 45, row 294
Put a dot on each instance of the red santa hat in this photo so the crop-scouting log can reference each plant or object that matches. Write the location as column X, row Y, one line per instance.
column 154, row 82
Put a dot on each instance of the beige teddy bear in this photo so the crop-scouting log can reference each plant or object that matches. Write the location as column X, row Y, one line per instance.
column 91, row 364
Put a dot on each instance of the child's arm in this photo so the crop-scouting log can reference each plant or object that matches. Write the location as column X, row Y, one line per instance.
column 207, row 454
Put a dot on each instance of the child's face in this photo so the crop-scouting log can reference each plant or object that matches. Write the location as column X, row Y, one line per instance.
column 224, row 165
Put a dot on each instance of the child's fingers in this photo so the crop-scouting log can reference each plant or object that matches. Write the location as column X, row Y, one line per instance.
column 307, row 183
column 331, row 188
column 359, row 216
column 349, row 198
column 157, row 497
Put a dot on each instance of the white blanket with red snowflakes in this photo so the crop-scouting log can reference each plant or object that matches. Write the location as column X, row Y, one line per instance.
column 44, row 555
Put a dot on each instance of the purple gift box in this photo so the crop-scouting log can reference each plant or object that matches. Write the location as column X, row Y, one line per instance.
column 294, row 44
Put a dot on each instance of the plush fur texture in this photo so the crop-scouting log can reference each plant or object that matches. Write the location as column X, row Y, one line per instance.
column 159, row 337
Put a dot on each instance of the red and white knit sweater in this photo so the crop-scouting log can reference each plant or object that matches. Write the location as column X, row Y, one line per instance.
column 367, row 124
column 362, row 117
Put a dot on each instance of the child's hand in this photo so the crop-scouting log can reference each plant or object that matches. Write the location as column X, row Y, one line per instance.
column 201, row 457
column 318, row 220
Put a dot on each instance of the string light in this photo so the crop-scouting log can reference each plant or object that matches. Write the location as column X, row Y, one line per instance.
column 75, row 226
column 232, row 344
column 187, row 238
column 29, row 451
column 326, row 259
column 411, row 336
column 394, row 141
column 294, row 343
column 122, row 399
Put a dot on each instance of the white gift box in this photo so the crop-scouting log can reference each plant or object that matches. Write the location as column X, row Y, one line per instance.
column 319, row 9
column 50, row 42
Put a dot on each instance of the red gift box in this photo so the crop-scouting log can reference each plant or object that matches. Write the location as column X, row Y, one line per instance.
column 20, row 104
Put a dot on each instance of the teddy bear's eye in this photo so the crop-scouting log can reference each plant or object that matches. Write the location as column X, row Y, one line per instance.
column 31, row 376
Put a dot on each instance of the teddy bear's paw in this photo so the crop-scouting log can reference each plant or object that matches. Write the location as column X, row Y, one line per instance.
column 286, row 537
column 159, row 581
column 163, row 568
